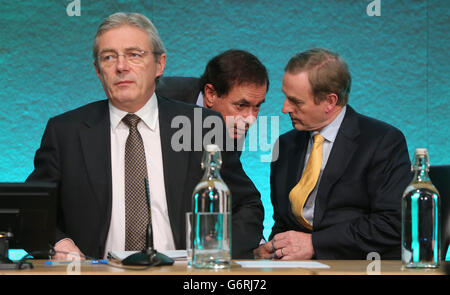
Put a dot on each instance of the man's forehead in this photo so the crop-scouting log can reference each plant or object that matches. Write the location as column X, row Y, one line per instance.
column 248, row 92
column 295, row 80
column 125, row 36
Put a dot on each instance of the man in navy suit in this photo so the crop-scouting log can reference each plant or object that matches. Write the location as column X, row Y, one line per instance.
column 83, row 151
column 234, row 83
column 354, row 205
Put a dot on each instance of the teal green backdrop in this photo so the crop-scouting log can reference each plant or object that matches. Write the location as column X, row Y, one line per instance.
column 398, row 60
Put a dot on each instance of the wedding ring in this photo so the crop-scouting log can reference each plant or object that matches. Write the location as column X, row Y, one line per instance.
column 282, row 252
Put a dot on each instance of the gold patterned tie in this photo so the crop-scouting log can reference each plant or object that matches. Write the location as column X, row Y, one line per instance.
column 136, row 212
column 299, row 194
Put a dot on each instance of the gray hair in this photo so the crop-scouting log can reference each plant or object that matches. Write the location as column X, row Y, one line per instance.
column 133, row 19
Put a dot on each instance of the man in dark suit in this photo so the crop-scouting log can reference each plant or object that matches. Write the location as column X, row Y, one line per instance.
column 185, row 89
column 234, row 83
column 337, row 184
column 85, row 152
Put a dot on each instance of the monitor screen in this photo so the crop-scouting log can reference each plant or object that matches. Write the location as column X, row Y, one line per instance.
column 28, row 214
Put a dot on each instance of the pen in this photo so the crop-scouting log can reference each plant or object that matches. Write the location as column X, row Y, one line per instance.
column 63, row 262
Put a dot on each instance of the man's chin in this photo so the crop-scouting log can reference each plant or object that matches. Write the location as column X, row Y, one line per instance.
column 298, row 126
column 126, row 99
column 237, row 134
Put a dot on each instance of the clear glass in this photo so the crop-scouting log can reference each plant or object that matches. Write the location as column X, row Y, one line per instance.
column 212, row 237
column 211, row 247
column 421, row 218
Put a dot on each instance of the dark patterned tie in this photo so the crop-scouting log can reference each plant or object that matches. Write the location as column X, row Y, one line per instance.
column 136, row 212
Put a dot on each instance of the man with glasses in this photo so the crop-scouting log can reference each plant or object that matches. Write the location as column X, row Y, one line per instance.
column 103, row 154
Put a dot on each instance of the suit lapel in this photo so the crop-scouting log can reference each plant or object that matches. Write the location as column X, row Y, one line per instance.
column 296, row 160
column 175, row 165
column 95, row 141
column 338, row 160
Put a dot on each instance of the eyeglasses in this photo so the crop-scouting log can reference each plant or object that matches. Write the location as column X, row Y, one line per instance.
column 135, row 57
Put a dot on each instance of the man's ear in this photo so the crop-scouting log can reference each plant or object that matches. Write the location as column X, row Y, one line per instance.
column 97, row 70
column 210, row 96
column 161, row 64
column 331, row 100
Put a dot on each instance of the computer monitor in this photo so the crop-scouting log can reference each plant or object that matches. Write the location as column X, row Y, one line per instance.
column 28, row 217
column 440, row 177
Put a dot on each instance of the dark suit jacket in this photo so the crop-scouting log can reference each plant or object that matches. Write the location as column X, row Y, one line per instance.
column 187, row 89
column 184, row 89
column 358, row 203
column 76, row 153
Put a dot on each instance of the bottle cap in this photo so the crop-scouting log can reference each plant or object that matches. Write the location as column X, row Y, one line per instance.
column 421, row 151
column 212, row 148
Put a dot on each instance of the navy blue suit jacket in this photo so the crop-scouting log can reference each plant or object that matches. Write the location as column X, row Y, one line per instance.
column 76, row 154
column 358, row 203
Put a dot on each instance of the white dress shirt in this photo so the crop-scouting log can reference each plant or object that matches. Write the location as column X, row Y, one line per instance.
column 329, row 132
column 200, row 100
column 148, row 127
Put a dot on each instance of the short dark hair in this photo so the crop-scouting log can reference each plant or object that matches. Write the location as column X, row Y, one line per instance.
column 233, row 67
column 327, row 73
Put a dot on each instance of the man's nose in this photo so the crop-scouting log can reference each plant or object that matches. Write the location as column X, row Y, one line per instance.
column 122, row 63
column 250, row 114
column 250, row 118
column 286, row 107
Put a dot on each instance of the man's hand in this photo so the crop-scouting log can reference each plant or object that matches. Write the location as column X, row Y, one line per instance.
column 265, row 251
column 290, row 245
column 67, row 250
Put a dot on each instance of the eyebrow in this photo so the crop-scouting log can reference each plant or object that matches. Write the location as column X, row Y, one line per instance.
column 135, row 48
column 244, row 101
column 261, row 102
column 106, row 50
column 294, row 99
column 291, row 98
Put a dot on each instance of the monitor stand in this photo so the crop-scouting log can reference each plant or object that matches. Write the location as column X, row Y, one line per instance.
column 5, row 262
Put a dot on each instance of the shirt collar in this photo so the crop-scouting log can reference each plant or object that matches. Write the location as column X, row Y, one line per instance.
column 148, row 113
column 200, row 99
column 330, row 131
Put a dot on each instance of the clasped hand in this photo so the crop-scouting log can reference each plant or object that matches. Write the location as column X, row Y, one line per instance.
column 290, row 245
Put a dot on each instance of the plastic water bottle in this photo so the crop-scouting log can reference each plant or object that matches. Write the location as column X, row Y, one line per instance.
column 212, row 215
column 421, row 217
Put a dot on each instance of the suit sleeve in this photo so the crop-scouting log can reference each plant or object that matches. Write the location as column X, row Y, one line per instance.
column 47, row 167
column 378, row 230
column 247, row 209
column 279, row 225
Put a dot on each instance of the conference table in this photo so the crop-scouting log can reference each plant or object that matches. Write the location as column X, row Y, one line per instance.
column 180, row 268
column 179, row 278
